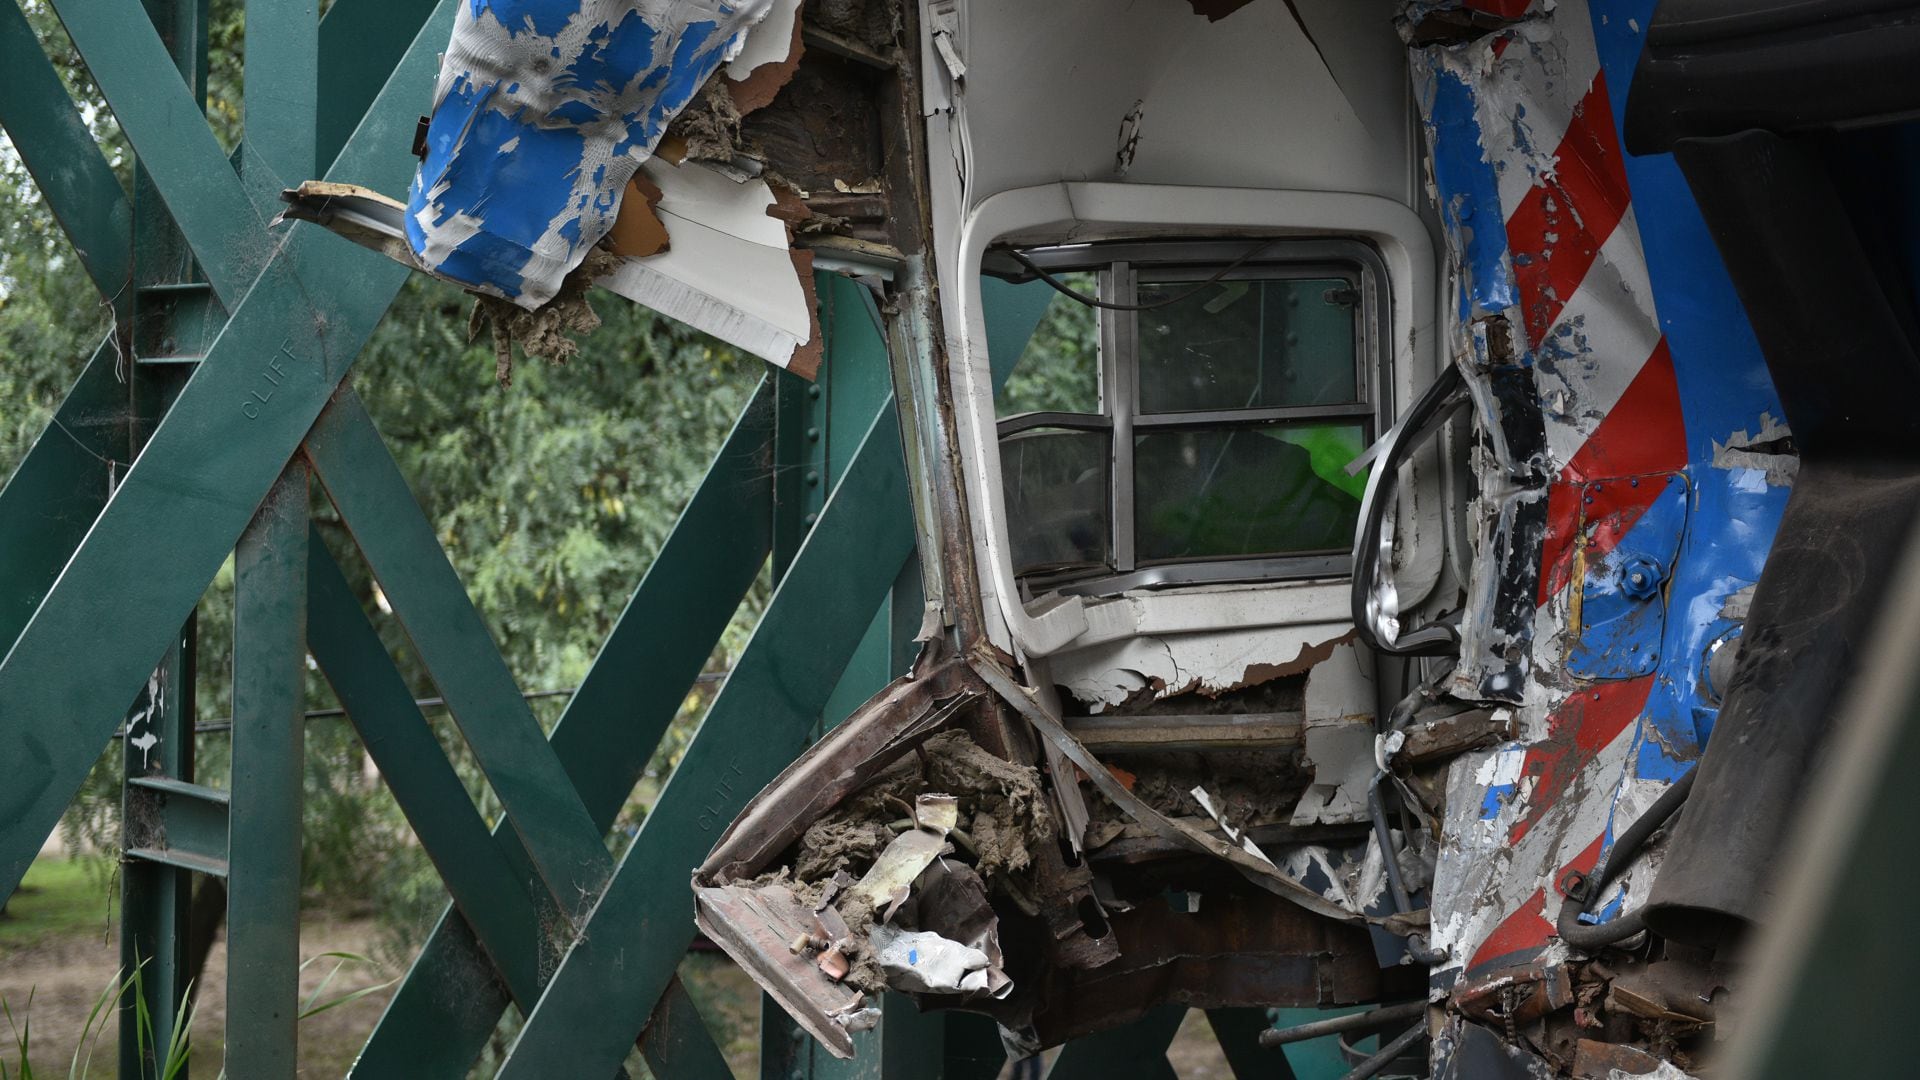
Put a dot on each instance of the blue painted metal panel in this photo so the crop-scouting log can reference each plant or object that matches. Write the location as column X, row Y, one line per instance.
column 1469, row 196
column 1623, row 599
column 544, row 111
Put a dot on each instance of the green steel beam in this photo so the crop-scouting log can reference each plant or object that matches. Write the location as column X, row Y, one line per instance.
column 677, row 1043
column 161, row 119
column 797, row 486
column 360, row 42
column 59, row 487
column 155, row 899
column 820, row 422
column 818, row 442
column 282, row 98
column 179, row 824
column 157, row 908
column 487, row 889
column 1239, row 1033
column 622, row 962
column 607, row 733
column 971, row 1047
column 452, row 640
column 268, row 772
column 67, row 166
column 197, row 482
column 1136, row 1050
column 906, row 1043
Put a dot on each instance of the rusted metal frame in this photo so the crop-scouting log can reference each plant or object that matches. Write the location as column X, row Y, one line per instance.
column 196, row 483
column 360, row 475
column 754, row 926
column 890, row 725
column 66, row 164
column 621, row 963
column 922, row 380
column 607, row 734
column 161, row 119
column 1235, row 731
column 847, row 49
column 1256, row 870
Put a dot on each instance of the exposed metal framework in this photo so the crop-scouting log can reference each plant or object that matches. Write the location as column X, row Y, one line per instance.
column 237, row 340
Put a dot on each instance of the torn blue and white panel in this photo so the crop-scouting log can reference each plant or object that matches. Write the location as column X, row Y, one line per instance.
column 543, row 111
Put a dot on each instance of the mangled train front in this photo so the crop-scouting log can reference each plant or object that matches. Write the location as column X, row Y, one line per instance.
column 1270, row 763
column 1344, row 479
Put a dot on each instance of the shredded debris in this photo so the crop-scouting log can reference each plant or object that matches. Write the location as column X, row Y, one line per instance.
column 709, row 128
column 1000, row 819
column 544, row 332
column 837, row 843
column 1249, row 789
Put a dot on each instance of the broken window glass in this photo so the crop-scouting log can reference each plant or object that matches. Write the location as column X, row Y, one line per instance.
column 1240, row 344
column 1059, row 370
column 1244, row 490
column 1206, row 417
column 1056, row 490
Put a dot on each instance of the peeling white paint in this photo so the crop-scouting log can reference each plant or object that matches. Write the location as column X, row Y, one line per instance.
column 1341, row 686
column 1109, row 674
column 728, row 272
column 1775, row 469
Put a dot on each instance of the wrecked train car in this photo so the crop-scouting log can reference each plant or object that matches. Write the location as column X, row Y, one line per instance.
column 1362, row 455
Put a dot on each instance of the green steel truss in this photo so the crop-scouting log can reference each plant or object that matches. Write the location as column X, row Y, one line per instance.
column 232, row 399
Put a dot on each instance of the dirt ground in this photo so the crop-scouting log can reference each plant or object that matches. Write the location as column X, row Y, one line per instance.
column 66, row 975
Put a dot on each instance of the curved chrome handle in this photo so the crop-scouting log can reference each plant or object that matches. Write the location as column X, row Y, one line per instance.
column 1376, row 603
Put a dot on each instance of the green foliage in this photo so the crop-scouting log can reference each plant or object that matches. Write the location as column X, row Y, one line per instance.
column 1060, row 369
column 174, row 1058
column 551, row 497
column 313, row 1006
column 171, row 1059
column 58, row 898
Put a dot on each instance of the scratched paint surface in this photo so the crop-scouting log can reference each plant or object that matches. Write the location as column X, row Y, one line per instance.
column 1640, row 366
column 544, row 110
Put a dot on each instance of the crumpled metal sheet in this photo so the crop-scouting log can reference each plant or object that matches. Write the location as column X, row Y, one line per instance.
column 1611, row 365
column 544, row 110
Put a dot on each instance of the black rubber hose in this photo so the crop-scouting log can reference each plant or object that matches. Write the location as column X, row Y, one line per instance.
column 1075, row 295
column 1417, row 947
column 1583, row 936
column 1386, row 1054
column 1373, row 1020
column 1419, row 423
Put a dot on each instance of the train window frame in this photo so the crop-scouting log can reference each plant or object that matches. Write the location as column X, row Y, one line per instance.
column 1119, row 266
